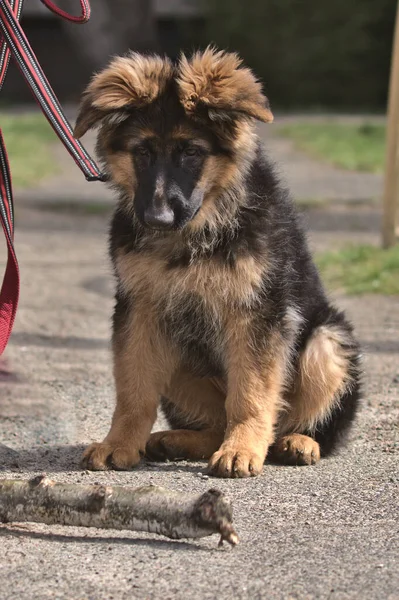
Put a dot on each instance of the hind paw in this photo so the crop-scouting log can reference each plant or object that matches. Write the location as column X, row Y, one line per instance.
column 296, row 449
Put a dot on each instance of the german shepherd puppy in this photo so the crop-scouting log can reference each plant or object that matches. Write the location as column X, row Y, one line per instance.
column 219, row 308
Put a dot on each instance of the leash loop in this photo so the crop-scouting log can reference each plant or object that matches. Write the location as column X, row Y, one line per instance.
column 83, row 18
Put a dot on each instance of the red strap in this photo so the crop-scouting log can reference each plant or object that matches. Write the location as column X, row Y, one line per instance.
column 14, row 42
column 5, row 52
column 8, row 296
column 41, row 89
column 9, row 293
column 10, row 289
column 84, row 17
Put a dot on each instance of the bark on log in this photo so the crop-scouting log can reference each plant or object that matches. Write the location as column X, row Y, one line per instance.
column 151, row 508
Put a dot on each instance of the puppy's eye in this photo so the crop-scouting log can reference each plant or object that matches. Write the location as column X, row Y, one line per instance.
column 142, row 151
column 191, row 151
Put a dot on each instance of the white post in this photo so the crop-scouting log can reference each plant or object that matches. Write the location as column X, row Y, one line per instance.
column 391, row 188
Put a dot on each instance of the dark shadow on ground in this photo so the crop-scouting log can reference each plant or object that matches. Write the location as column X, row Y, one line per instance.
column 58, row 459
column 160, row 544
column 41, row 458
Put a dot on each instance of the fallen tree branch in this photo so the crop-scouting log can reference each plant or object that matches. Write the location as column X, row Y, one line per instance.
column 151, row 508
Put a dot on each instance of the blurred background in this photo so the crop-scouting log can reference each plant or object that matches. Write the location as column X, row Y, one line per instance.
column 325, row 67
column 311, row 55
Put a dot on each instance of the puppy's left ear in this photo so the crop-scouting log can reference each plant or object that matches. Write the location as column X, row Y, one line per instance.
column 129, row 82
column 214, row 82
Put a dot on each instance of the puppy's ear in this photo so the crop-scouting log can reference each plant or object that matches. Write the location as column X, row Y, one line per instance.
column 128, row 82
column 214, row 82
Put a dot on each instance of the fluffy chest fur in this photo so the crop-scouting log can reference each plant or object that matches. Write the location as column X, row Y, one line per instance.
column 150, row 276
column 192, row 304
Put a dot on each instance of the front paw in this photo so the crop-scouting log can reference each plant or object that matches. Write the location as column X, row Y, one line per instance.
column 235, row 462
column 105, row 455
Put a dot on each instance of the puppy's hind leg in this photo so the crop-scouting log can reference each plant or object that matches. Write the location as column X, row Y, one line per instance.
column 324, row 398
column 195, row 410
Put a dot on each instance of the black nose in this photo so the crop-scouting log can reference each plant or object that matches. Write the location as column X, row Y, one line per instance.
column 159, row 218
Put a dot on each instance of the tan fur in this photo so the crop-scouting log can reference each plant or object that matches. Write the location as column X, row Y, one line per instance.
column 202, row 402
column 184, row 131
column 139, row 136
column 217, row 80
column 200, row 399
column 254, row 397
column 143, row 365
column 148, row 276
column 296, row 449
column 322, row 377
column 132, row 80
column 120, row 167
column 119, row 164
column 143, row 362
column 184, row 443
column 222, row 180
column 244, row 143
column 218, row 207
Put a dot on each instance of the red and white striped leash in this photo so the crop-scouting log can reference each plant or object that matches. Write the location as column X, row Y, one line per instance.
column 14, row 43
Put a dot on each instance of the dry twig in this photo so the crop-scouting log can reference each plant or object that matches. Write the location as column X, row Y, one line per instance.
column 151, row 508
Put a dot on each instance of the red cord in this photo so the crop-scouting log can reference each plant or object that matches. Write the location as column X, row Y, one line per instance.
column 13, row 41
column 84, row 17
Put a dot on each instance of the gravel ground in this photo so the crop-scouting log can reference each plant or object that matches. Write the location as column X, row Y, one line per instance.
column 329, row 531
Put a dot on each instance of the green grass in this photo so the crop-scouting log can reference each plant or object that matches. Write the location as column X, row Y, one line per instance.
column 28, row 139
column 361, row 270
column 352, row 147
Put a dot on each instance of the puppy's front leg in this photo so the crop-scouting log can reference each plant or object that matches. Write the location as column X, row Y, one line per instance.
column 140, row 371
column 254, row 386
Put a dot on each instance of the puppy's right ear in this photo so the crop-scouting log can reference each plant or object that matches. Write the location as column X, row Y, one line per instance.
column 128, row 82
column 88, row 116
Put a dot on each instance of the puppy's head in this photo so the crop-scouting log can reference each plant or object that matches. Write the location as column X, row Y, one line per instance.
column 173, row 137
